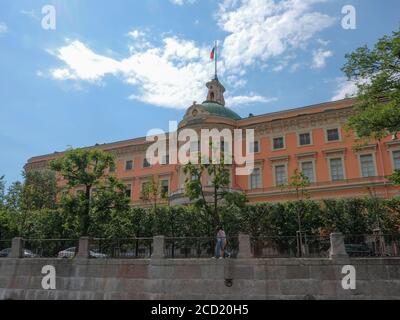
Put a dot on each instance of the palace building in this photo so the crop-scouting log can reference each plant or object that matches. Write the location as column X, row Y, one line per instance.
column 311, row 139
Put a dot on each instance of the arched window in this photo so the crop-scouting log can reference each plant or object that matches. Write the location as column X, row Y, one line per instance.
column 212, row 95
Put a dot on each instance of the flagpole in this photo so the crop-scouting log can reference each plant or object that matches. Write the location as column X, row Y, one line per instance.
column 216, row 59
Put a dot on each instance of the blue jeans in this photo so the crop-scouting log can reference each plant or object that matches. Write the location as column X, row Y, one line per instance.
column 218, row 247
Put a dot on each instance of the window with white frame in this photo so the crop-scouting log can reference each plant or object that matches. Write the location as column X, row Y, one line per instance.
column 367, row 165
column 307, row 168
column 304, row 139
column 254, row 147
column 336, row 166
column 255, row 179
column 165, row 159
column 129, row 165
column 164, row 188
column 280, row 175
column 278, row 143
column 128, row 190
column 146, row 163
column 332, row 134
column 396, row 159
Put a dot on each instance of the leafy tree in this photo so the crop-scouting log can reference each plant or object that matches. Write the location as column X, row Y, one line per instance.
column 195, row 191
column 83, row 167
column 376, row 73
column 152, row 191
column 40, row 190
column 2, row 191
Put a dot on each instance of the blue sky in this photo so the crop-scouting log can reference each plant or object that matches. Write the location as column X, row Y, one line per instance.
column 112, row 71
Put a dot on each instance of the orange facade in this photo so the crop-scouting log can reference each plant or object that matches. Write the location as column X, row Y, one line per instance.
column 312, row 139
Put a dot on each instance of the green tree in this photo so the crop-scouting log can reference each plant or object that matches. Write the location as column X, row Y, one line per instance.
column 376, row 73
column 84, row 167
column 2, row 191
column 220, row 179
column 39, row 190
column 152, row 191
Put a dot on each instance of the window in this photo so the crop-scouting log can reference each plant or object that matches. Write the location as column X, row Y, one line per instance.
column 307, row 168
column 128, row 191
column 336, row 169
column 367, row 165
column 165, row 160
column 332, row 134
column 164, row 188
column 195, row 146
column 304, row 139
column 129, row 165
column 396, row 159
column 280, row 175
column 224, row 146
column 254, row 147
column 146, row 163
column 278, row 143
column 255, row 179
column 112, row 168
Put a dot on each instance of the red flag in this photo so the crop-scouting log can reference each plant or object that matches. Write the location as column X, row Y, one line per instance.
column 212, row 54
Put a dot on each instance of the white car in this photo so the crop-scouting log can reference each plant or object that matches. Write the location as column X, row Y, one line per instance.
column 70, row 253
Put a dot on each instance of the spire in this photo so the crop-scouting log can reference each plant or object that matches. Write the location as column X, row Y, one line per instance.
column 215, row 92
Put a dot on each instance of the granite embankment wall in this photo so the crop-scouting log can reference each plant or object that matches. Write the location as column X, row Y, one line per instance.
column 278, row 278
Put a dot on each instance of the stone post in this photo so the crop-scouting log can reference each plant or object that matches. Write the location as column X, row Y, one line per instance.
column 17, row 248
column 83, row 249
column 244, row 247
column 158, row 247
column 337, row 249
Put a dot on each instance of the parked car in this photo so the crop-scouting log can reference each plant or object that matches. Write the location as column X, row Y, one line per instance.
column 27, row 253
column 358, row 250
column 70, row 253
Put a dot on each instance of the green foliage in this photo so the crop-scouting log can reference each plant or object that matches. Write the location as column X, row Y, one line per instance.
column 84, row 167
column 40, row 190
column 376, row 72
column 2, row 191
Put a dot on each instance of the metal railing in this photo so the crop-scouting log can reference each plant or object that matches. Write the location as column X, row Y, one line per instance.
column 372, row 245
column 290, row 246
column 50, row 248
column 198, row 247
column 5, row 248
column 129, row 248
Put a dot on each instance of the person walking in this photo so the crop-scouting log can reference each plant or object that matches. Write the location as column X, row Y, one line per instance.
column 221, row 243
column 220, row 239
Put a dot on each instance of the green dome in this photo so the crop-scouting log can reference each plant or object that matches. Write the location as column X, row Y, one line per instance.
column 219, row 110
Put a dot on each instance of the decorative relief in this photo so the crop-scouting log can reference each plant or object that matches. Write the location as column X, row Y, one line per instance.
column 303, row 122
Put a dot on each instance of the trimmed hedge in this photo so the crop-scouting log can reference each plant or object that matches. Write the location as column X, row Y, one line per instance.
column 349, row 216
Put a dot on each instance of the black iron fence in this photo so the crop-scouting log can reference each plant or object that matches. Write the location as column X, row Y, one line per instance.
column 50, row 248
column 290, row 246
column 129, row 248
column 300, row 246
column 199, row 247
column 372, row 245
column 5, row 248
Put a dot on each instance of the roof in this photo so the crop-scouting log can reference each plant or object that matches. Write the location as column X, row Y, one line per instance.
column 217, row 109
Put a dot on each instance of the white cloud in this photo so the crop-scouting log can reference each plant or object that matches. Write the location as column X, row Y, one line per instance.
column 3, row 27
column 182, row 2
column 135, row 34
column 31, row 14
column 344, row 89
column 319, row 58
column 83, row 63
column 262, row 29
column 244, row 100
column 173, row 75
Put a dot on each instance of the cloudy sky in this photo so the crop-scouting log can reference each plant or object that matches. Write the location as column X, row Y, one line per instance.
column 113, row 71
